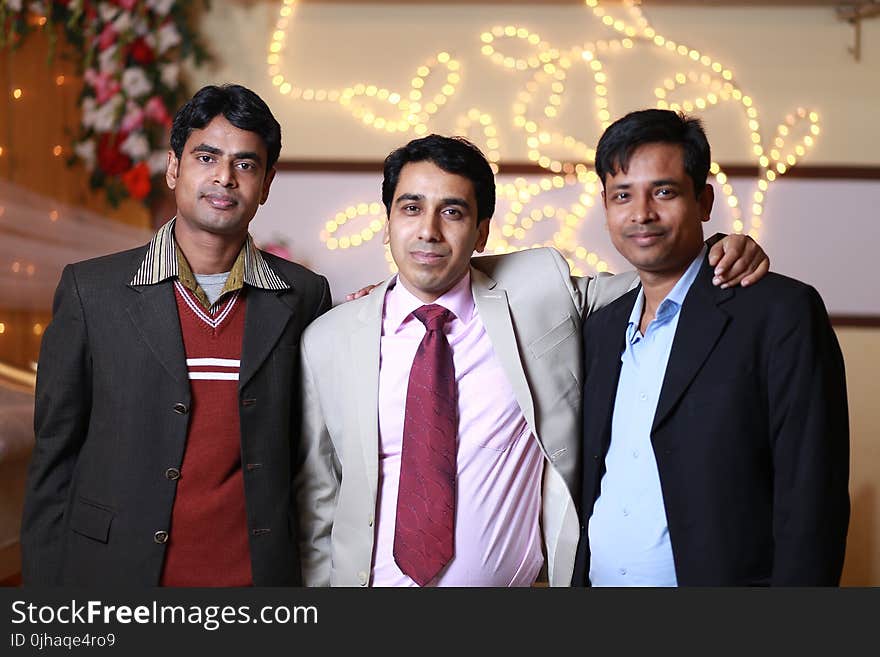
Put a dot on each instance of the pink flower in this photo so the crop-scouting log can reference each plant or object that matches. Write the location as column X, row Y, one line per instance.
column 107, row 37
column 128, row 5
column 104, row 85
column 155, row 110
column 133, row 119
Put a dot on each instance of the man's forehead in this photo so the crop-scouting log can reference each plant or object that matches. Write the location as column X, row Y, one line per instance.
column 669, row 156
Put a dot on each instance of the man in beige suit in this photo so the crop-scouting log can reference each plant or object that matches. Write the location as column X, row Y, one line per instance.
column 514, row 335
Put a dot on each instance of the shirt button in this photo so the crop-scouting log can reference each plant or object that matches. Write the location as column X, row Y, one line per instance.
column 160, row 537
column 626, row 512
column 370, row 520
column 643, row 396
column 622, row 571
column 635, row 453
column 362, row 576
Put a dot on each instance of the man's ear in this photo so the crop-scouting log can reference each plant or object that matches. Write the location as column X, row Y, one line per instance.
column 172, row 168
column 267, row 182
column 706, row 201
column 482, row 235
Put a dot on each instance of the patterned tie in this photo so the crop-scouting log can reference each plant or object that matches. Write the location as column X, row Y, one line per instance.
column 423, row 534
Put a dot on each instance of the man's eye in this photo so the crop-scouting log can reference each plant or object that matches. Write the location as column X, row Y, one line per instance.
column 621, row 196
column 245, row 166
column 665, row 192
column 452, row 213
column 411, row 208
column 207, row 159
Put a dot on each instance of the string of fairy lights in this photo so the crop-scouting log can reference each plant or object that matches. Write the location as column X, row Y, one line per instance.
column 533, row 111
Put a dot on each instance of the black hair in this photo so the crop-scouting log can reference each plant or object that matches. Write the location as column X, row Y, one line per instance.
column 452, row 154
column 239, row 105
column 651, row 126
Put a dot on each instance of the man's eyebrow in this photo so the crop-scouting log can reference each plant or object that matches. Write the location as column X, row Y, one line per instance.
column 407, row 196
column 455, row 200
column 665, row 182
column 213, row 150
column 206, row 148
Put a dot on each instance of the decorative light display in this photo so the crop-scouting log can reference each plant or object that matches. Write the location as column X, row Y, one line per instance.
column 533, row 111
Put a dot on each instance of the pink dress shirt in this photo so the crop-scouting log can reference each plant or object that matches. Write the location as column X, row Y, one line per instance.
column 498, row 502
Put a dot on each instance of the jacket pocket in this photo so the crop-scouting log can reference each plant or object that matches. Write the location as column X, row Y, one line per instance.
column 91, row 520
column 553, row 337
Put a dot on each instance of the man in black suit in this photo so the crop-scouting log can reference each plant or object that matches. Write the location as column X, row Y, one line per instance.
column 165, row 416
column 716, row 439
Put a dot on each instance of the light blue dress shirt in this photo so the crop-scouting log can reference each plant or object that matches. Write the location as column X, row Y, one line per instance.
column 628, row 533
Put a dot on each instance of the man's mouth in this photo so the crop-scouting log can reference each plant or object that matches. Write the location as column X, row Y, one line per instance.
column 645, row 238
column 426, row 257
column 220, row 201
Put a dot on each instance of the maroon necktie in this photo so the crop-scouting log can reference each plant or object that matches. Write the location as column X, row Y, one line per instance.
column 423, row 534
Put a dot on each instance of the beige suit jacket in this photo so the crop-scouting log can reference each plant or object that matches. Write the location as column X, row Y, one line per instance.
column 532, row 310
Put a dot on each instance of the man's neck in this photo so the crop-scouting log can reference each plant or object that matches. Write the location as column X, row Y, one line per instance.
column 657, row 286
column 208, row 253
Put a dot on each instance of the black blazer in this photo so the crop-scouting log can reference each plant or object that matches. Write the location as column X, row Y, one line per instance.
column 111, row 410
column 750, row 435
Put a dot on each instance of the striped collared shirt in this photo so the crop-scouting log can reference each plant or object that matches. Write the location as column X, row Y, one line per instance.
column 165, row 260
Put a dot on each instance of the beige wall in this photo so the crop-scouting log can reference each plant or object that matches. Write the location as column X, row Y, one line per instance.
column 782, row 57
column 861, row 350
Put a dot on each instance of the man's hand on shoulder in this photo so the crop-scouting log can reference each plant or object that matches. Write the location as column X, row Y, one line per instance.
column 364, row 291
column 738, row 260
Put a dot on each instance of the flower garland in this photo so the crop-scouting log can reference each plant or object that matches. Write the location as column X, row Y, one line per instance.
column 129, row 58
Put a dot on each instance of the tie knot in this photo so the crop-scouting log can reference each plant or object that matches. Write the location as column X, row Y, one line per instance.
column 433, row 316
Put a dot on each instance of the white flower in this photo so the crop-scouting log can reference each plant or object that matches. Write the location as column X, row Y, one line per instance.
column 140, row 27
column 158, row 162
column 88, row 111
column 107, row 12
column 169, row 74
column 85, row 150
column 105, row 117
column 123, row 22
column 13, row 5
column 168, row 37
column 107, row 62
column 160, row 7
column 135, row 82
column 136, row 146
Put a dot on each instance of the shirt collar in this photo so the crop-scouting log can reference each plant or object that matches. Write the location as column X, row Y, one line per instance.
column 161, row 263
column 400, row 302
column 672, row 302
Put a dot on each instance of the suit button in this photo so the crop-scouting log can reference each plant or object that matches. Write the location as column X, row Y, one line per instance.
column 160, row 537
column 172, row 473
column 180, row 409
column 362, row 576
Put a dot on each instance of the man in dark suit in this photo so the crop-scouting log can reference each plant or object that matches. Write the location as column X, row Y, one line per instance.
column 716, row 440
column 165, row 413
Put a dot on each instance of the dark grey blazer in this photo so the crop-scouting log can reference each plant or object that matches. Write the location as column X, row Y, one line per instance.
column 111, row 417
column 751, row 434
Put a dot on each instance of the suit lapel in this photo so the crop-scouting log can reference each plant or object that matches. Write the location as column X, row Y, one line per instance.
column 266, row 316
column 603, row 371
column 491, row 302
column 364, row 378
column 154, row 314
column 699, row 327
